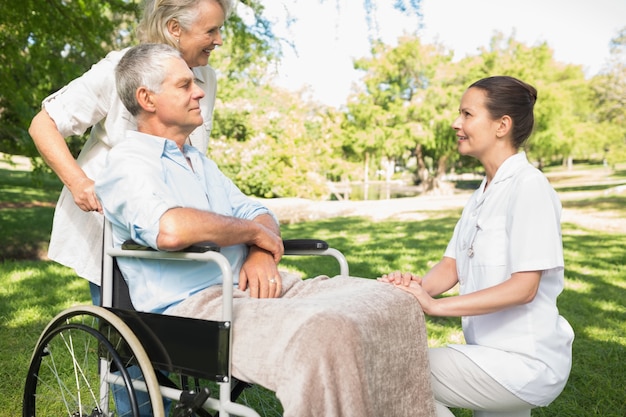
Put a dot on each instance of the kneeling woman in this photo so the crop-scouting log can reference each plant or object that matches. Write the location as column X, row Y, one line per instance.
column 506, row 254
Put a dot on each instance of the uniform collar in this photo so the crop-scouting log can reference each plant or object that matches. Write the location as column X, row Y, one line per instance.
column 507, row 170
column 510, row 166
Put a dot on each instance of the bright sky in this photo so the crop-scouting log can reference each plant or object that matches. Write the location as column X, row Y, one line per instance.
column 329, row 34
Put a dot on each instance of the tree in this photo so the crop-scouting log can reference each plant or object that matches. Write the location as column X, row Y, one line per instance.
column 43, row 45
column 391, row 118
column 282, row 151
column 563, row 113
column 411, row 97
column 609, row 89
column 272, row 143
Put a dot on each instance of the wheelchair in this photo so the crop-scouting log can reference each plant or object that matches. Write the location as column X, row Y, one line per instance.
column 113, row 361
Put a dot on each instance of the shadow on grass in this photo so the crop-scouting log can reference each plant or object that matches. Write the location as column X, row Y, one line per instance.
column 25, row 187
column 591, row 187
column 26, row 210
column 32, row 293
column 593, row 303
column 26, row 232
column 593, row 300
column 379, row 247
column 604, row 203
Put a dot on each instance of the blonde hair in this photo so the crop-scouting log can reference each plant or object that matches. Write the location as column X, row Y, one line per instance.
column 157, row 14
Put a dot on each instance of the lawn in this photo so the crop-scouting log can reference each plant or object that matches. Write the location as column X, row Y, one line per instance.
column 594, row 300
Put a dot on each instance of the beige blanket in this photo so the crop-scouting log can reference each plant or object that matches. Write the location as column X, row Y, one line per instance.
column 330, row 347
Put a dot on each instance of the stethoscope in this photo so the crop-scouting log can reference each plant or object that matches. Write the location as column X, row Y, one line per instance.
column 470, row 250
column 476, row 209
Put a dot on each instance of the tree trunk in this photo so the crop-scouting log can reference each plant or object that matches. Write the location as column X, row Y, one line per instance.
column 366, row 177
column 422, row 172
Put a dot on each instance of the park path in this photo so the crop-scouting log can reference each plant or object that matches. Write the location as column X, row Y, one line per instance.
column 292, row 210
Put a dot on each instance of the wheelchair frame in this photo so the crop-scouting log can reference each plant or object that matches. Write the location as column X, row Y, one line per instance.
column 122, row 338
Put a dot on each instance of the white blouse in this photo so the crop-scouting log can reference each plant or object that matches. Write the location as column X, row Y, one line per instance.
column 91, row 101
column 514, row 226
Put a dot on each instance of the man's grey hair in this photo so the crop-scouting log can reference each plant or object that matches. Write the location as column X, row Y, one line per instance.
column 144, row 65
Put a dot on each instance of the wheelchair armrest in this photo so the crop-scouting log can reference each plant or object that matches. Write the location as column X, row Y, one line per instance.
column 292, row 247
column 304, row 244
column 196, row 248
column 316, row 247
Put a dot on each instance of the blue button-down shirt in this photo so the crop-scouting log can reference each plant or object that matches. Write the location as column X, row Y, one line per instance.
column 143, row 178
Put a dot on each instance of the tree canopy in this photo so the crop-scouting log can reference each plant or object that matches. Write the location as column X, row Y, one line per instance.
column 275, row 143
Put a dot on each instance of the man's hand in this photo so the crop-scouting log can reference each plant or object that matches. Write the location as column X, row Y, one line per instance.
column 269, row 241
column 260, row 273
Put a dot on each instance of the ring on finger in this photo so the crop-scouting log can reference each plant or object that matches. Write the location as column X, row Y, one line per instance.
column 272, row 281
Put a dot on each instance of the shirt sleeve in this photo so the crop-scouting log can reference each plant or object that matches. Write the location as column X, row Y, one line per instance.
column 134, row 194
column 534, row 226
column 451, row 249
column 86, row 100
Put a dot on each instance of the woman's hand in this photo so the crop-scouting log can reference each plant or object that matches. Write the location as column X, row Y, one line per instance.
column 411, row 283
column 401, row 278
column 426, row 301
column 84, row 193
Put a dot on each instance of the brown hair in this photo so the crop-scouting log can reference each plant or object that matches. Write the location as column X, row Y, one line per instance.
column 510, row 96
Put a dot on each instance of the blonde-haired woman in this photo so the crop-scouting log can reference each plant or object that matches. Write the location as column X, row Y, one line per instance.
column 91, row 101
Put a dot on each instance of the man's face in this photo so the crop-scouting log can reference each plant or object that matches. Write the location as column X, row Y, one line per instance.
column 178, row 103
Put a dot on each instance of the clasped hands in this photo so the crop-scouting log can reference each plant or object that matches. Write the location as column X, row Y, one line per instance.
column 408, row 282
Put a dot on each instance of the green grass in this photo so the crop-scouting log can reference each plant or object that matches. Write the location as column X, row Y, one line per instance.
column 26, row 209
column 594, row 300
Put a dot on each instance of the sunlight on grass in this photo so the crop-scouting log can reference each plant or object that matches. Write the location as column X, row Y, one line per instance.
column 604, row 334
column 578, row 286
column 442, row 335
column 593, row 301
column 26, row 316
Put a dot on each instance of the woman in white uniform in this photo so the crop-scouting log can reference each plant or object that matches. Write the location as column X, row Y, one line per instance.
column 91, row 101
column 506, row 254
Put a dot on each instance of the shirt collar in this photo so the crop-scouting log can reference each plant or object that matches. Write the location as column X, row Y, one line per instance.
column 510, row 166
column 158, row 147
column 199, row 75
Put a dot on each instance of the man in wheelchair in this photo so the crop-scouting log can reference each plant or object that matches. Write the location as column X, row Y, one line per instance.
column 327, row 347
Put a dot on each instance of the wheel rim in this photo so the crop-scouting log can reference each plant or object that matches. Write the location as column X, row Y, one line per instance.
column 66, row 373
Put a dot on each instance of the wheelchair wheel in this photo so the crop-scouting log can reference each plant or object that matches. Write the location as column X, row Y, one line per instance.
column 88, row 363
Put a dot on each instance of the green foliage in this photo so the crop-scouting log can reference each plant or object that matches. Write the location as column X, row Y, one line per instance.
column 411, row 93
column 402, row 101
column 281, row 152
column 609, row 89
column 276, row 144
column 249, row 46
column 43, row 45
column 26, row 209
